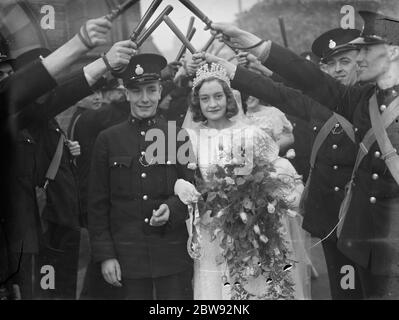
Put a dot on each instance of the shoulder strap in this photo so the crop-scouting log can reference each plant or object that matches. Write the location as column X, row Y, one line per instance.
column 55, row 162
column 72, row 130
column 325, row 131
column 389, row 154
column 347, row 126
column 390, row 114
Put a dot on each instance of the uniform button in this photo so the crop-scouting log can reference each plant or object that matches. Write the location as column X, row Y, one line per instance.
column 377, row 154
column 314, row 128
column 58, row 130
column 356, row 129
column 373, row 200
column 144, row 175
column 335, row 167
column 336, row 189
column 146, row 220
column 143, row 153
column 145, row 197
column 149, row 122
column 349, row 243
column 168, row 162
column 334, row 146
column 337, row 125
column 383, row 107
column 374, row 176
column 115, row 163
column 142, row 133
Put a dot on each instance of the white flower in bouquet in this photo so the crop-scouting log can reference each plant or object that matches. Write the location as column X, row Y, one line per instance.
column 243, row 217
column 264, row 239
column 271, row 208
column 256, row 229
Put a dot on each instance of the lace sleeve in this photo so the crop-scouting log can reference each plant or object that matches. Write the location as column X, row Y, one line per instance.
column 264, row 146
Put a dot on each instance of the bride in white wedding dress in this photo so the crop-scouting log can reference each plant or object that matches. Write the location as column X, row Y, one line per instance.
column 215, row 134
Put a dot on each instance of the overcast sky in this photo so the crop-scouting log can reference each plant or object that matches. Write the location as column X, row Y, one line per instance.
column 216, row 10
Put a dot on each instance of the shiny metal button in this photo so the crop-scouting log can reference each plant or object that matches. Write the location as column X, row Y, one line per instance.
column 334, row 146
column 314, row 128
column 337, row 125
column 146, row 220
column 115, row 163
column 374, row 176
column 335, row 167
column 144, row 175
column 168, row 162
column 143, row 153
column 356, row 129
column 377, row 154
column 373, row 200
column 142, row 133
column 383, row 107
column 145, row 197
column 336, row 189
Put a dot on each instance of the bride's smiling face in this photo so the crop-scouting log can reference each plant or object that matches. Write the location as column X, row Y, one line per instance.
column 212, row 100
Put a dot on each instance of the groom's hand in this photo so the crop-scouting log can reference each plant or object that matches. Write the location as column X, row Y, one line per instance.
column 111, row 271
column 160, row 216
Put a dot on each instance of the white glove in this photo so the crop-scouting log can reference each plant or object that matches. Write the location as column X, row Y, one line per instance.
column 186, row 191
column 287, row 173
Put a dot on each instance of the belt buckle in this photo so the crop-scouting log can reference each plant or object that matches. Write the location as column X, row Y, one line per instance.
column 334, row 130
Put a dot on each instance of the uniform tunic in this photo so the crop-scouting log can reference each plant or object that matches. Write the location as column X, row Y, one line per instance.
column 124, row 189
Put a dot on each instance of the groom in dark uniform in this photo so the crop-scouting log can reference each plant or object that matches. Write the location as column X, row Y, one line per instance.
column 136, row 223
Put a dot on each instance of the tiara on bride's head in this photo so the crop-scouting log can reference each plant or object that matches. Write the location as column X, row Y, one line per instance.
column 213, row 70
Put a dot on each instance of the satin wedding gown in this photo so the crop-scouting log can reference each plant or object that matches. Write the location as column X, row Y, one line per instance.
column 211, row 280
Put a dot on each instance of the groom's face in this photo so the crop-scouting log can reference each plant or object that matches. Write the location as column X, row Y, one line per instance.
column 212, row 100
column 144, row 99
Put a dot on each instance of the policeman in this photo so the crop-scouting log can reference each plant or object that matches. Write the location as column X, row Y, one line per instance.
column 337, row 54
column 136, row 223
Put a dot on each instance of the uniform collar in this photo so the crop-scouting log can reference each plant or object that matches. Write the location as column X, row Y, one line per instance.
column 386, row 96
column 148, row 122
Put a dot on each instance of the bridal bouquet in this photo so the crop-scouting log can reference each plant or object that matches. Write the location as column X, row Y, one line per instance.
column 247, row 212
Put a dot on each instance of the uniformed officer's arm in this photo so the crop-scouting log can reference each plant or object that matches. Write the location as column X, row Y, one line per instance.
column 301, row 73
column 27, row 84
column 102, row 245
column 92, row 34
column 61, row 98
column 286, row 99
column 116, row 59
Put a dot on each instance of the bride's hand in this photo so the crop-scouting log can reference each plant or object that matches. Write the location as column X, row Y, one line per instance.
column 186, row 192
